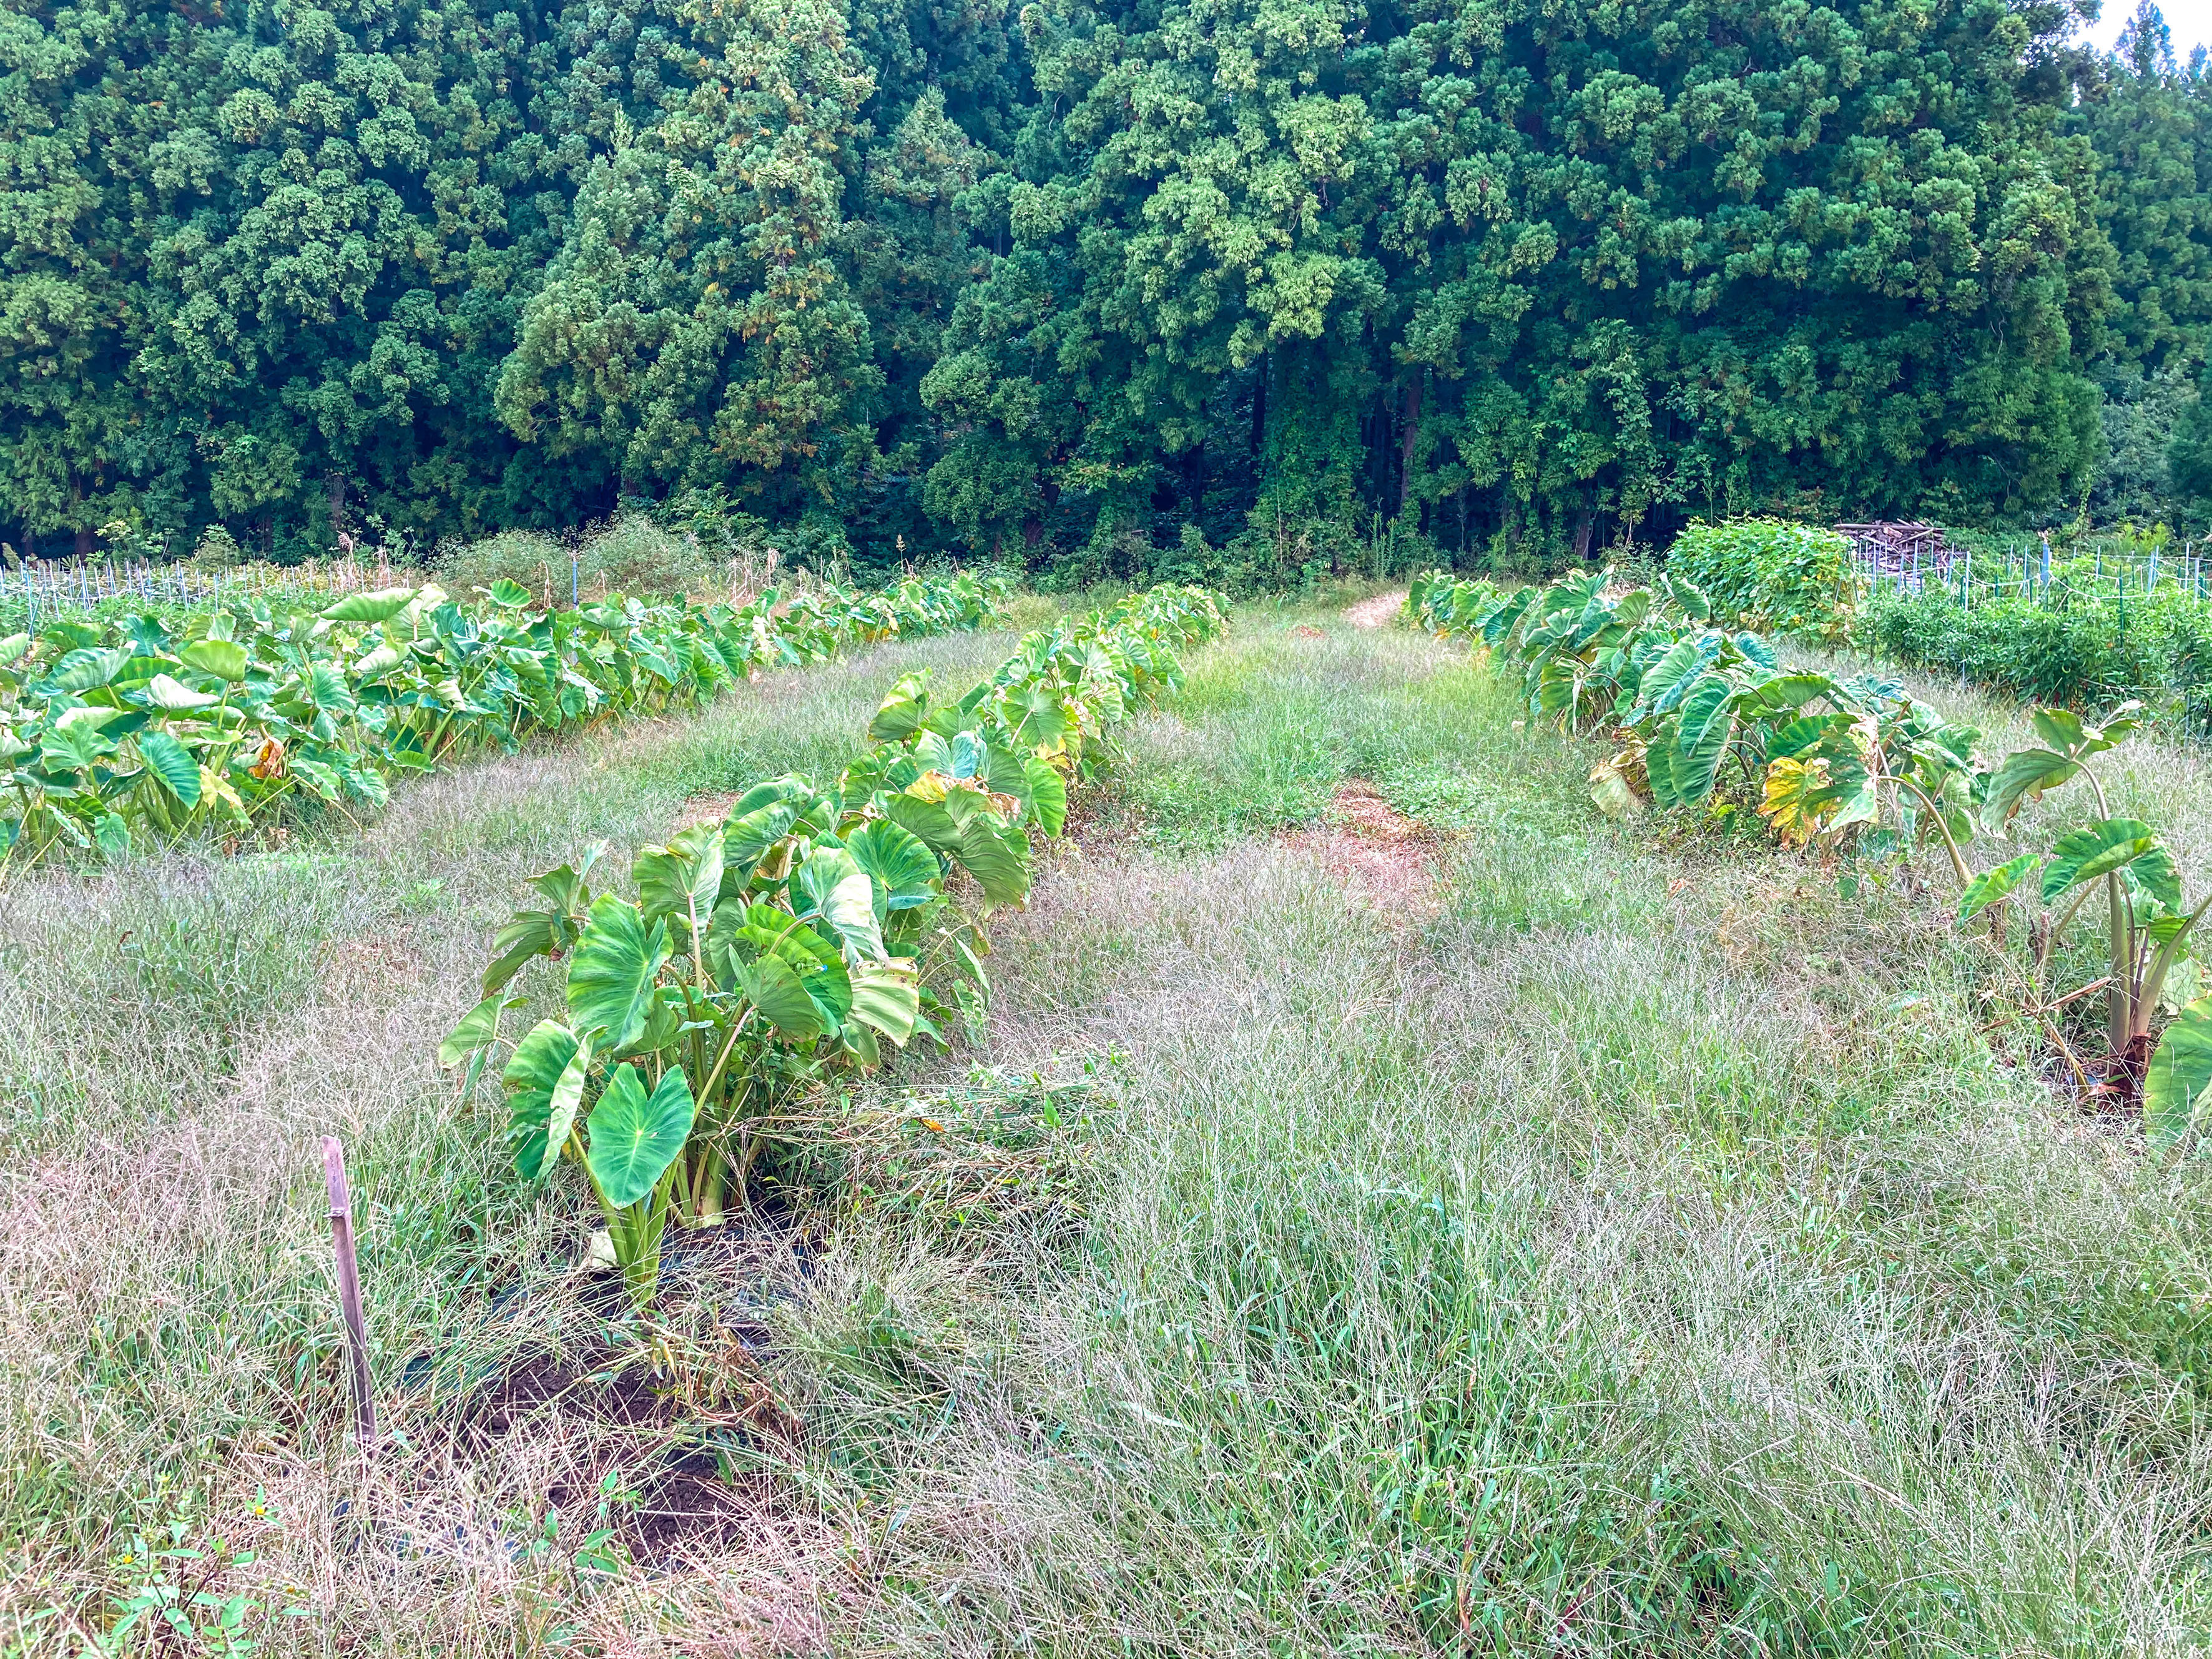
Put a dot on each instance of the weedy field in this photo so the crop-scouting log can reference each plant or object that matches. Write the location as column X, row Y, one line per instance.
column 1386, row 1208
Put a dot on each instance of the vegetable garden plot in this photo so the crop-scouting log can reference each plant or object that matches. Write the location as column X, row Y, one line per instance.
column 788, row 943
column 1858, row 765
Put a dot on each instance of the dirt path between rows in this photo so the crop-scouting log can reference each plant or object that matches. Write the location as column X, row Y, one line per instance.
column 1377, row 611
column 1387, row 857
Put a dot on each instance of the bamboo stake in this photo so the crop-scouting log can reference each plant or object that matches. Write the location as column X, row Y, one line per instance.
column 334, row 1178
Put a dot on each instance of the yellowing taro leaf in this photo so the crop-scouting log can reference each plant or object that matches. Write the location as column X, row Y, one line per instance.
column 1610, row 788
column 1792, row 803
column 213, row 784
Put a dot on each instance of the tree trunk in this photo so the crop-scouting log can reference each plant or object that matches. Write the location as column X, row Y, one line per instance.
column 1260, row 407
column 84, row 548
column 1409, row 428
column 338, row 511
column 1585, row 523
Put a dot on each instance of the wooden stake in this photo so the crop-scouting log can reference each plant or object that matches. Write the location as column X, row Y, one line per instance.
column 334, row 1177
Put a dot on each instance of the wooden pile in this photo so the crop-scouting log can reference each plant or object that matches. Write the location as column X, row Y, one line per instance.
column 1897, row 553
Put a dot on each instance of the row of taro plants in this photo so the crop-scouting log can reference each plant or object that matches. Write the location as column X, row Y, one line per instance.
column 769, row 952
column 111, row 733
column 1704, row 717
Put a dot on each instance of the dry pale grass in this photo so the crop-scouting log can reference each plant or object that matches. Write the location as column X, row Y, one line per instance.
column 1377, row 613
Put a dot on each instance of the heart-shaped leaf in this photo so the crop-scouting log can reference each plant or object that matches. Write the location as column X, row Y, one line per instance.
column 1048, row 795
column 635, row 1137
column 75, row 746
column 545, row 1080
column 2180, row 1068
column 380, row 605
column 610, row 978
column 998, row 858
column 478, row 1029
column 903, row 711
column 1784, row 696
column 224, row 659
column 1990, row 885
column 763, row 815
column 328, row 687
column 885, row 996
column 381, row 660
column 681, row 879
column 1702, row 739
column 164, row 692
column 837, row 890
column 1796, row 795
column 2022, row 778
column 167, row 759
column 87, row 667
column 774, row 989
column 905, row 871
column 2111, row 844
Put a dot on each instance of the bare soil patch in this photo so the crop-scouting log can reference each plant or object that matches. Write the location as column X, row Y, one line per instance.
column 1376, row 612
column 702, row 809
column 659, row 1430
column 1388, row 857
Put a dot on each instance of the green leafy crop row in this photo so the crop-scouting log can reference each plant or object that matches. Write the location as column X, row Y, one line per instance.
column 111, row 733
column 792, row 940
column 2076, row 648
column 1699, row 709
column 1701, row 713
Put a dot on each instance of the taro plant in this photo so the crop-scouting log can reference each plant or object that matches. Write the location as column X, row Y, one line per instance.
column 753, row 960
column 1861, row 755
column 2117, row 868
column 1700, row 711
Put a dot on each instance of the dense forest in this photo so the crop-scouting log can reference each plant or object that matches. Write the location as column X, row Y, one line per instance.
column 928, row 276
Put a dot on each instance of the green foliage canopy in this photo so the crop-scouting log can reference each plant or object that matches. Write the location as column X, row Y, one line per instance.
column 1085, row 274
